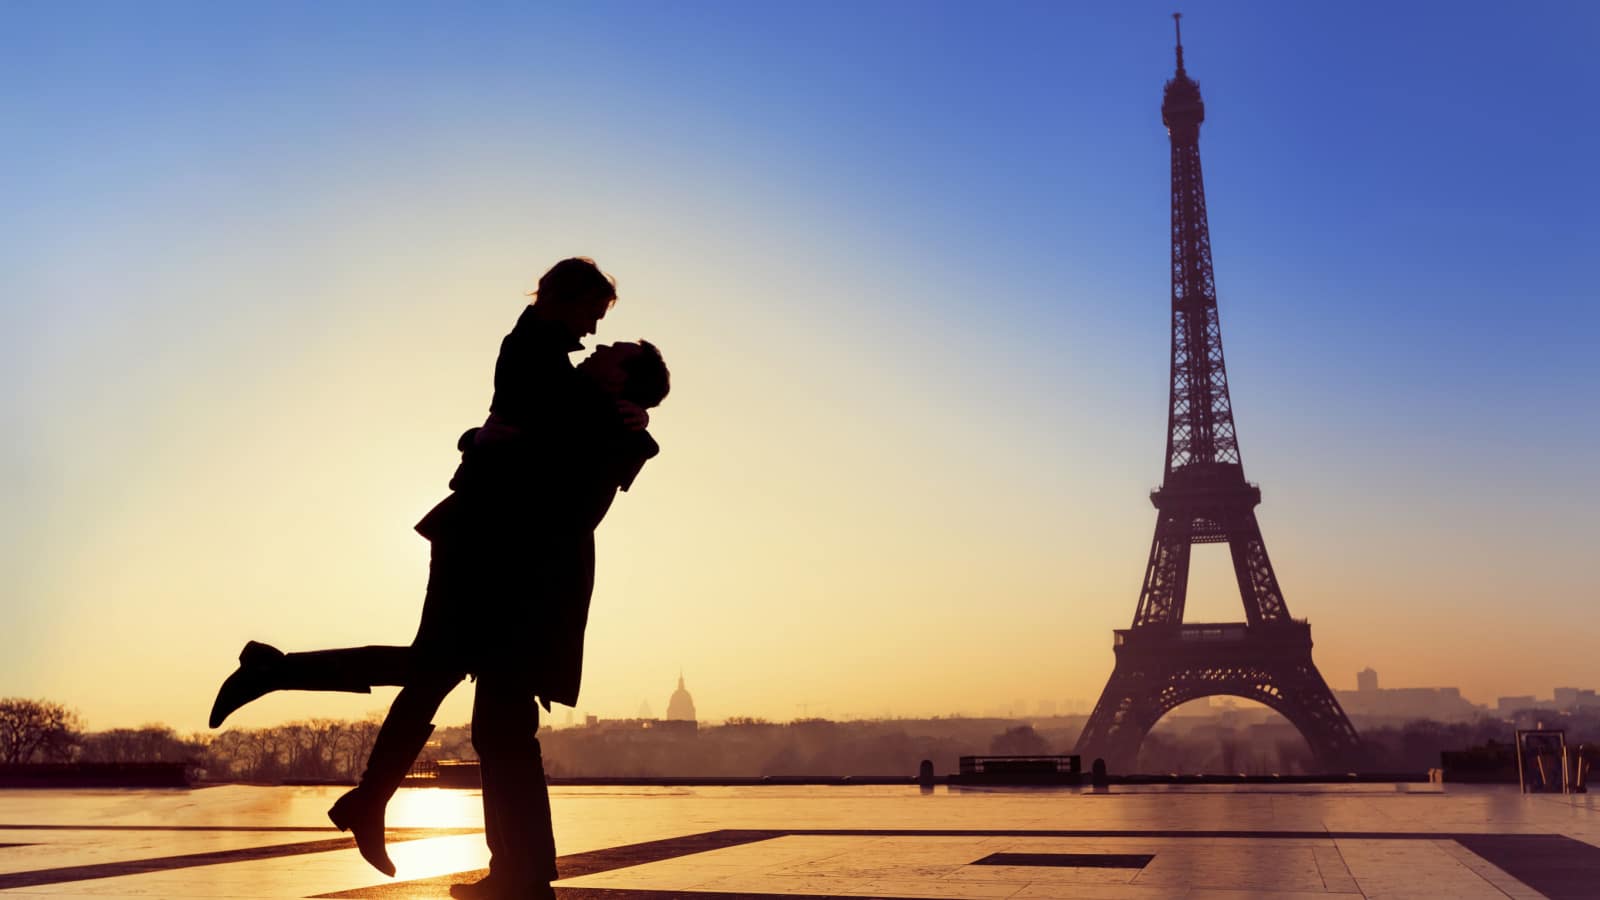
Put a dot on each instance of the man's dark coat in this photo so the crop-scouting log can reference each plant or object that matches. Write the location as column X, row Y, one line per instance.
column 512, row 569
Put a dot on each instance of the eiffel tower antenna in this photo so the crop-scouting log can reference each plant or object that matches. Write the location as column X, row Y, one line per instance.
column 1204, row 498
column 1177, row 25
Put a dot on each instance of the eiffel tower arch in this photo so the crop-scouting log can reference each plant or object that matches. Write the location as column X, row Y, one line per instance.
column 1159, row 669
column 1204, row 498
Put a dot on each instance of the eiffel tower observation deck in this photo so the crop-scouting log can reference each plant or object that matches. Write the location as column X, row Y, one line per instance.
column 1204, row 498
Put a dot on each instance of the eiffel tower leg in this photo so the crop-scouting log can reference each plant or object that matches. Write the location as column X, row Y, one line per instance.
column 1263, row 599
column 1166, row 576
column 1311, row 707
column 1120, row 720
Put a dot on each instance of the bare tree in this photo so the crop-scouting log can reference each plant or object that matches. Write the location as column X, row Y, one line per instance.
column 314, row 744
column 37, row 731
column 355, row 744
column 235, row 754
column 152, row 743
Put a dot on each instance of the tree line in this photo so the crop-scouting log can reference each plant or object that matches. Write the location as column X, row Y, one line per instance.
column 39, row 731
column 336, row 750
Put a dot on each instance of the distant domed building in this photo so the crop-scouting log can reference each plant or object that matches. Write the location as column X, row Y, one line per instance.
column 681, row 707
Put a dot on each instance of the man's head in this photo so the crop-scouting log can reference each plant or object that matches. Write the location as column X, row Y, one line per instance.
column 575, row 293
column 634, row 372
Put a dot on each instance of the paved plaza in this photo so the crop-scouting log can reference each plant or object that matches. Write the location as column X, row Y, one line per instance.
column 1377, row 841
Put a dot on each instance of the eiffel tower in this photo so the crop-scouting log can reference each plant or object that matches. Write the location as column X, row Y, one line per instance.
column 1204, row 498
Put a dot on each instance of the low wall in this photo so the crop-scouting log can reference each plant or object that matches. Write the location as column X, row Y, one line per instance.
column 111, row 775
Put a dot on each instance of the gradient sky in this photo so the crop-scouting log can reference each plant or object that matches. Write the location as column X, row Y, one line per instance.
column 907, row 262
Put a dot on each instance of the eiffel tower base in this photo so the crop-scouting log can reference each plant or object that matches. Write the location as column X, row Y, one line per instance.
column 1161, row 666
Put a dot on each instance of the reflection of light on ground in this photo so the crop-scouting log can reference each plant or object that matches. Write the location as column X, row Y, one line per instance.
column 435, row 808
column 438, row 856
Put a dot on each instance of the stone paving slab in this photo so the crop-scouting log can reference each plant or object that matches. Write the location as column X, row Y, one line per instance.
column 798, row 843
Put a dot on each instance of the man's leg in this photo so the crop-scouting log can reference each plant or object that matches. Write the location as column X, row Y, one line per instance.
column 516, row 803
column 404, row 732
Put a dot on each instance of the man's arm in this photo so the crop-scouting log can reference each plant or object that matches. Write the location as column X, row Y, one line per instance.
column 577, row 438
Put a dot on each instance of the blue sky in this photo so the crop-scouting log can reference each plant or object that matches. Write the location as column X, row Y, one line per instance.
column 909, row 256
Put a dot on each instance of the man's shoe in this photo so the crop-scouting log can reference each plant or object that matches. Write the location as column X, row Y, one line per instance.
column 482, row 889
column 356, row 813
column 488, row 888
column 256, row 677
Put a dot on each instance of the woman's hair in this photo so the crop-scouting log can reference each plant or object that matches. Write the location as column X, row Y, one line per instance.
column 576, row 281
column 648, row 380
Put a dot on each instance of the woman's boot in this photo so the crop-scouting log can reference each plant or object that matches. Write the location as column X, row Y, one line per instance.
column 360, row 810
column 264, row 669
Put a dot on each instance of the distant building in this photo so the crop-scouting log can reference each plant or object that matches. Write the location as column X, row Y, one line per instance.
column 1572, row 699
column 681, row 707
column 1443, row 704
column 1508, row 705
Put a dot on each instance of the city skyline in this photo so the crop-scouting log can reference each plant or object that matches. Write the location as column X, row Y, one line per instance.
column 1414, row 703
column 911, row 280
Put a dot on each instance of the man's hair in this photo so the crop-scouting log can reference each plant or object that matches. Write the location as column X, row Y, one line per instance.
column 575, row 281
column 647, row 379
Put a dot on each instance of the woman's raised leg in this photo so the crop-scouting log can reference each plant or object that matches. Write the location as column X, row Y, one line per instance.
column 264, row 669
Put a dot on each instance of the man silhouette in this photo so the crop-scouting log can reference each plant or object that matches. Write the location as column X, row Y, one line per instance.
column 524, row 512
column 512, row 563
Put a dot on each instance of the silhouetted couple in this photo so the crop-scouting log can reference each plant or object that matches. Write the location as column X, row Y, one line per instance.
column 509, row 581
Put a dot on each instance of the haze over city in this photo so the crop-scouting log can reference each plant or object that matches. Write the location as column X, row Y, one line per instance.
column 910, row 273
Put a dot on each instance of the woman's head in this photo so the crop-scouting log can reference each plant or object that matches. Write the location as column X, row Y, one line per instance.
column 576, row 293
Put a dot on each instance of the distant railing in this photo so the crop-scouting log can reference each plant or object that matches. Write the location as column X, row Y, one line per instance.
column 1210, row 633
column 1021, row 765
column 1213, row 632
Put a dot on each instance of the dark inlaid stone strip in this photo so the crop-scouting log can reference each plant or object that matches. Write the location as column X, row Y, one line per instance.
column 1555, row 865
column 1121, row 833
column 291, row 828
column 629, row 894
column 1069, row 860
column 594, row 861
column 578, row 864
column 36, row 877
column 411, row 890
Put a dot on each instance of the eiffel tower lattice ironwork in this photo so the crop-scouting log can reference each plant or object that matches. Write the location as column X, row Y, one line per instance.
column 1162, row 662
